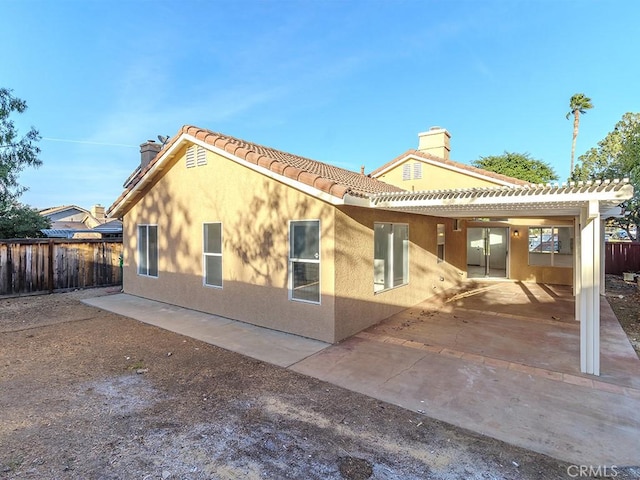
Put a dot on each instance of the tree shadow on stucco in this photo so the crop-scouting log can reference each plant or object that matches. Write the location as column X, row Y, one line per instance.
column 262, row 228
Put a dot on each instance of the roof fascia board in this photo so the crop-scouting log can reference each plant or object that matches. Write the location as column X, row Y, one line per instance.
column 115, row 212
column 463, row 171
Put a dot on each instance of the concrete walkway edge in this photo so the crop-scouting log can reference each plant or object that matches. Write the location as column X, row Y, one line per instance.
column 278, row 348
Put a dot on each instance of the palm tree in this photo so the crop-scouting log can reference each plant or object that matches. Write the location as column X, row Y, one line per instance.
column 579, row 103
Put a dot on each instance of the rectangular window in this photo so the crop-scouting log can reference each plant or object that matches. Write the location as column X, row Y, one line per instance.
column 304, row 260
column 440, row 234
column 212, row 254
column 390, row 256
column 417, row 170
column 406, row 171
column 551, row 246
column 148, row 250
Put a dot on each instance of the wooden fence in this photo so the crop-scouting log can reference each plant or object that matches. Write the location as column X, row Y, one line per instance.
column 48, row 265
column 622, row 257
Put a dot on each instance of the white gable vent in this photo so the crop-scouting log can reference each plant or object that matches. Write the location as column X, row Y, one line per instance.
column 190, row 158
column 201, row 157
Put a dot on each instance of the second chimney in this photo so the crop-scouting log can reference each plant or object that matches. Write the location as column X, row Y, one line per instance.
column 148, row 151
column 436, row 142
column 98, row 212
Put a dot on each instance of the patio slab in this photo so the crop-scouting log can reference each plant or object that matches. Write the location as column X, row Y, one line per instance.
column 507, row 370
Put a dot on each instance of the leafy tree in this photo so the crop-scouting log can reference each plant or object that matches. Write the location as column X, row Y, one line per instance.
column 617, row 156
column 16, row 152
column 21, row 221
column 578, row 104
column 518, row 165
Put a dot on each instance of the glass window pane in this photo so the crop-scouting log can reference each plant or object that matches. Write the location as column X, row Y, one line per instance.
column 142, row 250
column 390, row 256
column 306, row 281
column 153, row 251
column 400, row 246
column 213, row 238
column 213, row 270
column 305, row 240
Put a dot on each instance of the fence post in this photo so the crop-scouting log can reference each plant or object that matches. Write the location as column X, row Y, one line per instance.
column 50, row 261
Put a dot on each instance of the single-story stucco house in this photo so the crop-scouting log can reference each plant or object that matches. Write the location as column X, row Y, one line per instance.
column 225, row 226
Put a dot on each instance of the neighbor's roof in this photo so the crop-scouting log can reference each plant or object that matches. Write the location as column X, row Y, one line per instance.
column 62, row 208
column 335, row 181
column 450, row 164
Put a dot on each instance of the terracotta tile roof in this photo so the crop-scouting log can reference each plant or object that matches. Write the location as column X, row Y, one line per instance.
column 330, row 179
column 449, row 163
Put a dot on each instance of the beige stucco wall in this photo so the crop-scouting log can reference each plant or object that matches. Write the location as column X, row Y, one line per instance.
column 357, row 306
column 520, row 268
column 433, row 177
column 254, row 211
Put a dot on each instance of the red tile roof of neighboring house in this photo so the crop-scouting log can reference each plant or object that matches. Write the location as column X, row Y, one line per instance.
column 449, row 163
column 335, row 181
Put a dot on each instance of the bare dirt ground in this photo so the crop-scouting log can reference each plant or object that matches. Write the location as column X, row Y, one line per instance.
column 86, row 394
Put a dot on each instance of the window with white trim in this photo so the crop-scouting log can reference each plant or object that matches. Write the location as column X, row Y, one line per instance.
column 212, row 254
column 304, row 260
column 440, row 234
column 551, row 246
column 148, row 250
column 390, row 256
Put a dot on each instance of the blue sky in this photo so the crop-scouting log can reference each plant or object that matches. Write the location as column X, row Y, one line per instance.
column 346, row 82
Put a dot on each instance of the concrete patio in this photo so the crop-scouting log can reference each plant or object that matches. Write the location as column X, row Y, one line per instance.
column 499, row 358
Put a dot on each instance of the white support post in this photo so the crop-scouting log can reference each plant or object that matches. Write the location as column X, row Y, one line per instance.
column 577, row 280
column 589, row 296
column 603, row 253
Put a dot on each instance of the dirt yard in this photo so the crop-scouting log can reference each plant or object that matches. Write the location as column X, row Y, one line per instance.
column 86, row 394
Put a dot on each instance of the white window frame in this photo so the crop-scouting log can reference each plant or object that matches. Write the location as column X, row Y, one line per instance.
column 146, row 253
column 552, row 253
column 206, row 254
column 293, row 260
column 391, row 257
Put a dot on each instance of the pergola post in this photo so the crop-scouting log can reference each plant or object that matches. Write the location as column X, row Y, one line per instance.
column 589, row 291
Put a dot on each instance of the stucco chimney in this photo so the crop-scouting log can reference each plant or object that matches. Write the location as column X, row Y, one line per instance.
column 148, row 151
column 436, row 142
column 98, row 212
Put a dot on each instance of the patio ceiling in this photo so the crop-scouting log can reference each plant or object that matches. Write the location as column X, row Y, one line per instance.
column 512, row 201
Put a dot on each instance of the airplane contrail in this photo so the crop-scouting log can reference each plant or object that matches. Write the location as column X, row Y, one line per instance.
column 89, row 143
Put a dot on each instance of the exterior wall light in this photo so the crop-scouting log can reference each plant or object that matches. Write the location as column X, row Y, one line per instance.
column 516, row 233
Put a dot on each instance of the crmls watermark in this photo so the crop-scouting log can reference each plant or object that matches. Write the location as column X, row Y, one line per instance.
column 598, row 471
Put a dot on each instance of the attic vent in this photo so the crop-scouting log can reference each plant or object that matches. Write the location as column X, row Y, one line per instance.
column 417, row 170
column 191, row 156
column 201, row 157
column 406, row 171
